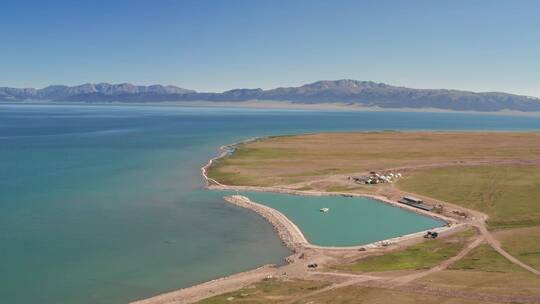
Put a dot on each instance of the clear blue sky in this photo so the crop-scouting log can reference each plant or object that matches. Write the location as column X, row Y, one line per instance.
column 217, row 45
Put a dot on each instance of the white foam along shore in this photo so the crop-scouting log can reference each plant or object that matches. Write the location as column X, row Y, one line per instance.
column 223, row 151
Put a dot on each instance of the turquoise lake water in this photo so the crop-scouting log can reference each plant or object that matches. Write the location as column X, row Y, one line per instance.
column 105, row 204
column 350, row 221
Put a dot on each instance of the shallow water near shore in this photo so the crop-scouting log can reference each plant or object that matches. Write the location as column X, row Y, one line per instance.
column 105, row 204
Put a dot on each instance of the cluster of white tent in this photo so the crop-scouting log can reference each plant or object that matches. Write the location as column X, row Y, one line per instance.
column 377, row 178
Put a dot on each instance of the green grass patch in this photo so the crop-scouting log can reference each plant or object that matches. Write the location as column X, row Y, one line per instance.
column 319, row 172
column 304, row 188
column 359, row 295
column 339, row 188
column 269, row 291
column 259, row 153
column 476, row 281
column 523, row 243
column 510, row 195
column 485, row 258
column 424, row 255
column 217, row 173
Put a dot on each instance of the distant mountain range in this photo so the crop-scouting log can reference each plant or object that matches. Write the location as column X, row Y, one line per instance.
column 62, row 92
column 364, row 93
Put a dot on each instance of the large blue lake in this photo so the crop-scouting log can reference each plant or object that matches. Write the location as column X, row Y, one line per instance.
column 105, row 204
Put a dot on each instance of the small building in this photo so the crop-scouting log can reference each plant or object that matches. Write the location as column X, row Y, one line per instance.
column 413, row 199
column 414, row 202
column 423, row 207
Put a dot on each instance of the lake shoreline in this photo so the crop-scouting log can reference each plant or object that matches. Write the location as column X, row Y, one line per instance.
column 273, row 105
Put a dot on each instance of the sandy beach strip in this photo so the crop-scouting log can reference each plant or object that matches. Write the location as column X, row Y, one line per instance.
column 211, row 288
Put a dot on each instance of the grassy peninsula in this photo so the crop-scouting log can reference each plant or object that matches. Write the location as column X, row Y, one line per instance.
column 489, row 179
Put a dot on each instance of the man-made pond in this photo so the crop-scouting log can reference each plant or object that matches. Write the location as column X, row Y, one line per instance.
column 350, row 221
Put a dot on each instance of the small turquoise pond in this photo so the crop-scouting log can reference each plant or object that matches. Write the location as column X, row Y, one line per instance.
column 351, row 221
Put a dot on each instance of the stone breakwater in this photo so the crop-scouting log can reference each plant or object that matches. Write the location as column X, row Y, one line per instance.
column 288, row 232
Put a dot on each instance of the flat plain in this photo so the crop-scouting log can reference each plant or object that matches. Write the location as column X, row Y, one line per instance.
column 284, row 160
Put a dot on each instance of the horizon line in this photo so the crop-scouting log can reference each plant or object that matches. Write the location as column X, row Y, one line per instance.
column 264, row 88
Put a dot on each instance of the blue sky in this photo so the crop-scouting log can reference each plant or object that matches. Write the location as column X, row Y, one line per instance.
column 217, row 45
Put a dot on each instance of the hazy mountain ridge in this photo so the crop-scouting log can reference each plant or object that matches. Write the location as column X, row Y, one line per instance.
column 62, row 92
column 365, row 93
